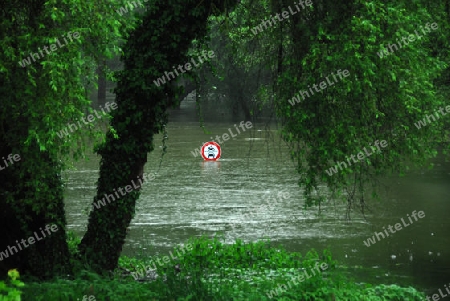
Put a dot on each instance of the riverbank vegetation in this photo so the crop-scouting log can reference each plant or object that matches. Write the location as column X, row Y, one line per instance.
column 217, row 271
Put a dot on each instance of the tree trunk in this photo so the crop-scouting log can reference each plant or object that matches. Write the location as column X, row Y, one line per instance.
column 141, row 113
column 189, row 86
column 101, row 93
column 24, row 211
column 245, row 109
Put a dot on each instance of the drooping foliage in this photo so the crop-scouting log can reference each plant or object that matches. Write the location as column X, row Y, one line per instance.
column 381, row 99
column 243, row 72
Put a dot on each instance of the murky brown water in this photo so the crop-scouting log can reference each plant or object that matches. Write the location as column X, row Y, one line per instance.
column 189, row 197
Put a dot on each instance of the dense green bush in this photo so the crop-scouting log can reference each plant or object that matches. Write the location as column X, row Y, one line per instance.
column 8, row 290
column 217, row 271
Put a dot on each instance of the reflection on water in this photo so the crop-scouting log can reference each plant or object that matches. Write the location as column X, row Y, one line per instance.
column 189, row 197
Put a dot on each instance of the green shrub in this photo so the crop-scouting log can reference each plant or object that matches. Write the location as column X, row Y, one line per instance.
column 73, row 241
column 217, row 271
column 8, row 290
column 90, row 284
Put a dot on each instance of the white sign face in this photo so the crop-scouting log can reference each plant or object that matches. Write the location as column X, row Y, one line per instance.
column 210, row 151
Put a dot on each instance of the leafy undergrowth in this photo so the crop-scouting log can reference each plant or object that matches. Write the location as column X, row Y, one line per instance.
column 215, row 271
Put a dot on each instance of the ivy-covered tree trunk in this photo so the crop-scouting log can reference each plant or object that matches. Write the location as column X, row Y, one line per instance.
column 31, row 189
column 159, row 42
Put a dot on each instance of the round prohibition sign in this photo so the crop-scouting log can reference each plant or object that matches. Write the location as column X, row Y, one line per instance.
column 211, row 151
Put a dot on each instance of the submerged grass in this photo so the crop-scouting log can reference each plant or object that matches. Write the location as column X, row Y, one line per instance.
column 216, row 271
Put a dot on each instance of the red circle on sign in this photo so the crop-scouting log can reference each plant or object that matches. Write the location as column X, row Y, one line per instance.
column 210, row 151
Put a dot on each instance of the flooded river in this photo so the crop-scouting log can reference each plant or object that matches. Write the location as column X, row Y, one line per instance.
column 189, row 197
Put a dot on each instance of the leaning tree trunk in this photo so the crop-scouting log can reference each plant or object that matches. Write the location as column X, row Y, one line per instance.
column 158, row 43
